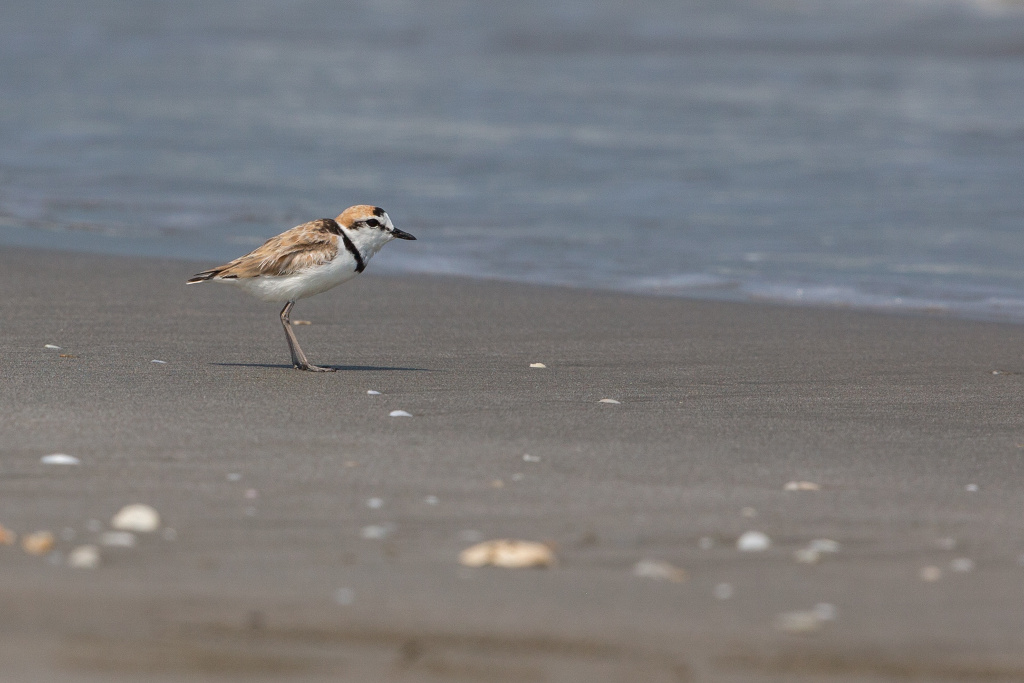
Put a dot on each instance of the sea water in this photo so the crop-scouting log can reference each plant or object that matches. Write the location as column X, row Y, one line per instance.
column 862, row 153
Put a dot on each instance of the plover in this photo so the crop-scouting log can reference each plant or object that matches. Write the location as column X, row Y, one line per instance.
column 309, row 259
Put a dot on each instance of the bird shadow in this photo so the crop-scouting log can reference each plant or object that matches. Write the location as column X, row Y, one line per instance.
column 339, row 368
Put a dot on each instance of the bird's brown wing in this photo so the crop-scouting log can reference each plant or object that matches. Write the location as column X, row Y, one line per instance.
column 304, row 246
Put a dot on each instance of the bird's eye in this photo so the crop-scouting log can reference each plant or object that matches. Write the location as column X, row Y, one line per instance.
column 373, row 223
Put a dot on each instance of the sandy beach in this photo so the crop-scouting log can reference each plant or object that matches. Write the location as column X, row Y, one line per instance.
column 317, row 538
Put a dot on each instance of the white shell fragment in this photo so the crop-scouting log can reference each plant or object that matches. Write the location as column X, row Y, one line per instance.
column 801, row 486
column 798, row 623
column 962, row 565
column 509, row 553
column 824, row 545
column 972, row 488
column 530, row 458
column 375, row 532
column 658, row 569
column 136, row 517
column 54, row 347
column 753, row 542
column 399, row 413
column 344, row 596
column 159, row 362
column 431, row 500
column 807, row 556
column 375, row 503
column 84, row 557
column 118, row 539
column 60, row 459
column 371, row 392
column 608, row 400
column 723, row 591
column 537, row 365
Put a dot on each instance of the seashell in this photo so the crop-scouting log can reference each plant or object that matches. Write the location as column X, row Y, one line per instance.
column 508, row 553
column 136, row 517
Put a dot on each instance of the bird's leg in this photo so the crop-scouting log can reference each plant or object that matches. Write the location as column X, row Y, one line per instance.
column 299, row 360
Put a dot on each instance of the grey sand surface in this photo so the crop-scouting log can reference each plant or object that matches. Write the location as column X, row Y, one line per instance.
column 265, row 474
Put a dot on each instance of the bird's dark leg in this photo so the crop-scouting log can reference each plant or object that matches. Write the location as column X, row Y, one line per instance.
column 299, row 360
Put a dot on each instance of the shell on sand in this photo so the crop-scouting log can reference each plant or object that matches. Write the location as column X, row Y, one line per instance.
column 509, row 553
column 136, row 517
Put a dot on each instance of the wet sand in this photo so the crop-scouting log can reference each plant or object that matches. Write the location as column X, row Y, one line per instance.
column 265, row 473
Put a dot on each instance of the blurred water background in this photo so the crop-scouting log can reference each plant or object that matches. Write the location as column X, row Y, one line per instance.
column 864, row 153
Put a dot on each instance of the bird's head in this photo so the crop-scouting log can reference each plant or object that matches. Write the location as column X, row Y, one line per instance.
column 370, row 225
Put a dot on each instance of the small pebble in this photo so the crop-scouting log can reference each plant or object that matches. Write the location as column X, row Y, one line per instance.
column 52, row 346
column 824, row 545
column 376, row 531
column 971, row 487
column 84, row 557
column 159, row 362
column 825, row 611
column 608, row 400
column 60, row 459
column 537, row 365
column 658, row 569
column 431, row 500
column 38, row 543
column 344, row 596
column 375, row 503
column 807, row 556
column 371, row 392
column 962, row 565
column 723, row 591
column 753, row 541
column 749, row 513
column 799, row 623
column 801, row 486
column 509, row 553
column 118, row 539
column 530, row 458
column 302, row 322
column 497, row 484
column 930, row 573
column 399, row 413
column 234, row 476
column 136, row 517
column 706, row 543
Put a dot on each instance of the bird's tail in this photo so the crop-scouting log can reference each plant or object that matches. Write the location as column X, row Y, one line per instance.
column 203, row 276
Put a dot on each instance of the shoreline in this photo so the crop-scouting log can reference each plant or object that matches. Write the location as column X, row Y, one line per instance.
column 936, row 309
column 289, row 568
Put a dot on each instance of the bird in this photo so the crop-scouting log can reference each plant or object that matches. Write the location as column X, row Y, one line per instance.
column 308, row 259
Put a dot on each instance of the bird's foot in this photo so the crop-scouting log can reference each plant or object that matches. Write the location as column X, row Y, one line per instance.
column 313, row 368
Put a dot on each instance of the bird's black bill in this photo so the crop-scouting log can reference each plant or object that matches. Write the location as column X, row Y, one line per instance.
column 401, row 234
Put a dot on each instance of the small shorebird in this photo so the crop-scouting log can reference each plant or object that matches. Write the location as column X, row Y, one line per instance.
column 306, row 260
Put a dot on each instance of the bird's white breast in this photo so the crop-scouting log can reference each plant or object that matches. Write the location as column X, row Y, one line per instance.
column 302, row 284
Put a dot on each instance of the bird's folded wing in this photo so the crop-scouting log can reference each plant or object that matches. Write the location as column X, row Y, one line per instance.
column 304, row 246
